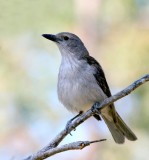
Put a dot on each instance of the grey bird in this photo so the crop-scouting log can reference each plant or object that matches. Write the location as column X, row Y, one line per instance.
column 82, row 83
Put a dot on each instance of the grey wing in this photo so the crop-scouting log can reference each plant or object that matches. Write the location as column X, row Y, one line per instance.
column 117, row 126
column 101, row 80
column 99, row 75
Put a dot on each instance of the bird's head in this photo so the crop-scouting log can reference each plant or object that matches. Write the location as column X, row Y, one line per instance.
column 68, row 43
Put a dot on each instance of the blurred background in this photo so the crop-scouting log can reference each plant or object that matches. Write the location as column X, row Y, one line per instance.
column 115, row 32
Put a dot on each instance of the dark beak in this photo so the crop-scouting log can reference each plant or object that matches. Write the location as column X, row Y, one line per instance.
column 50, row 37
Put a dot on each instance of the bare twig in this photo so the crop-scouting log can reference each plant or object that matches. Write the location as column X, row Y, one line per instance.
column 71, row 146
column 52, row 148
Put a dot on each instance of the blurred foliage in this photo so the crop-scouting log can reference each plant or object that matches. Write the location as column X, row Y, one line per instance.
column 35, row 15
column 117, row 35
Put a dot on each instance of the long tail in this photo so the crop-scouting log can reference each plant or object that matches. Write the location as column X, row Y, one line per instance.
column 119, row 129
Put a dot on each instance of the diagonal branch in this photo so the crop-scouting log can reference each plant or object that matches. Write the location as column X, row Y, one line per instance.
column 71, row 146
column 52, row 146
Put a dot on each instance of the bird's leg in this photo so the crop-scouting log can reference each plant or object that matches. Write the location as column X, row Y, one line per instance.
column 94, row 108
column 95, row 111
column 72, row 119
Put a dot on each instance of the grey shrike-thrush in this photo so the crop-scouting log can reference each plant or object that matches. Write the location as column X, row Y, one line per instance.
column 81, row 83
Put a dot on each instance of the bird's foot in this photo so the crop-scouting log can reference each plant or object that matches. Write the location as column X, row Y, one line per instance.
column 94, row 108
column 70, row 121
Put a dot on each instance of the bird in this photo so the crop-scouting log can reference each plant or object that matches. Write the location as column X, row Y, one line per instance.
column 82, row 83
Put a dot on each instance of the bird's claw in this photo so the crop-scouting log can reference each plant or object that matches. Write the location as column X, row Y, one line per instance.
column 94, row 108
column 68, row 126
column 70, row 121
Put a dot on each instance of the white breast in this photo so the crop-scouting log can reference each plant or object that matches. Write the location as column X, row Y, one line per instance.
column 77, row 87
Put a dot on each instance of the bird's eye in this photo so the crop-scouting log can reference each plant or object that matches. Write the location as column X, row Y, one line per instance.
column 66, row 38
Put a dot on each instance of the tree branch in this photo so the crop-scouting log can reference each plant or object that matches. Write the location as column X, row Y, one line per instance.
column 52, row 148
column 71, row 146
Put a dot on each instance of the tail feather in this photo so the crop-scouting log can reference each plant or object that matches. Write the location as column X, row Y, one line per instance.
column 119, row 129
column 117, row 135
column 125, row 129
